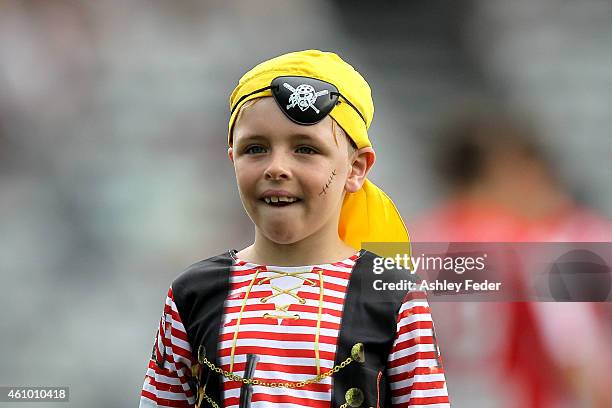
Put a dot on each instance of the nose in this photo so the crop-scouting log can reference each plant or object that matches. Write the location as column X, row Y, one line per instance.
column 278, row 167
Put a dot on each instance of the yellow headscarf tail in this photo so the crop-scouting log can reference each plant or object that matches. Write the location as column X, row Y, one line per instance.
column 369, row 215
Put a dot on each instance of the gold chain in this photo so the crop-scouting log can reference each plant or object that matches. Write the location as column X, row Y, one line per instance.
column 254, row 381
column 210, row 400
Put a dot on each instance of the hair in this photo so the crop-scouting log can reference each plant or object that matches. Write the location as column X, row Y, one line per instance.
column 245, row 105
column 335, row 127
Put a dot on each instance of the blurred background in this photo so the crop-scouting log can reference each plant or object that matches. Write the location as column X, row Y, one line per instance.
column 114, row 174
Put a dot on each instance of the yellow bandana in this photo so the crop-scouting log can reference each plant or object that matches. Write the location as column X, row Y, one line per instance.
column 367, row 215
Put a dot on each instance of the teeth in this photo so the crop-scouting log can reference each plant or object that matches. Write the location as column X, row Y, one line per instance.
column 275, row 199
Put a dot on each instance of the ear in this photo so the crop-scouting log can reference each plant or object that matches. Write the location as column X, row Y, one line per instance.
column 361, row 163
column 230, row 154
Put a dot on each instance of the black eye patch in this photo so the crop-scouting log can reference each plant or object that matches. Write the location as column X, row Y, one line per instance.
column 304, row 100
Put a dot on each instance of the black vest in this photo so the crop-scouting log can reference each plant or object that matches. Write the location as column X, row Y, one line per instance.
column 369, row 317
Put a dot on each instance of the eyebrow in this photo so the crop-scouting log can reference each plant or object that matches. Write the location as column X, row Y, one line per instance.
column 293, row 136
column 250, row 138
column 303, row 136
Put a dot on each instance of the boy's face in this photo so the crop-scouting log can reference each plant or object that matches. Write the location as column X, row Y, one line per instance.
column 291, row 178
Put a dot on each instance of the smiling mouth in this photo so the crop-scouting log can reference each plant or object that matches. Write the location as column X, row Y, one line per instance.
column 280, row 201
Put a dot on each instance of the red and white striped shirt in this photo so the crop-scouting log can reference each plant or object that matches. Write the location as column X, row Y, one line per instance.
column 290, row 318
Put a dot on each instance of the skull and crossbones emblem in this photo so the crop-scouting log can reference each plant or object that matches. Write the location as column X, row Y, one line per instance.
column 304, row 96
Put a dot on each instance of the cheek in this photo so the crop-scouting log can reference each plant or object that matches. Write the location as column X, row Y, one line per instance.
column 245, row 179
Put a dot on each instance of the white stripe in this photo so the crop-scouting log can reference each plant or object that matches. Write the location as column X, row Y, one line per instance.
column 444, row 405
column 278, row 344
column 176, row 396
column 435, row 392
column 163, row 378
column 284, row 376
column 411, row 350
column 147, row 403
column 175, row 341
column 312, row 276
column 172, row 305
column 413, row 303
column 440, row 392
column 266, row 289
column 309, row 302
column 280, row 360
column 259, row 313
column 328, row 267
column 297, row 393
column 413, row 318
column 274, row 329
column 426, row 363
column 413, row 334
column 417, row 378
column 176, row 325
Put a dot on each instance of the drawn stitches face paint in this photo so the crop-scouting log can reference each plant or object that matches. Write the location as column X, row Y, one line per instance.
column 283, row 170
column 329, row 181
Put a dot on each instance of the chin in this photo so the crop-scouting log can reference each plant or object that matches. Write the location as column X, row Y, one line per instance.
column 282, row 234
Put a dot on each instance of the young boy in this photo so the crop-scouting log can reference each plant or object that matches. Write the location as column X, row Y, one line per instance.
column 291, row 320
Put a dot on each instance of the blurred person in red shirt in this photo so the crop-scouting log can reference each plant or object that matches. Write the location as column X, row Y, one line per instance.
column 503, row 188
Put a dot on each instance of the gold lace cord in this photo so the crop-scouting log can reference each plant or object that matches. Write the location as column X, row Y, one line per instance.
column 284, row 308
column 280, row 291
column 235, row 339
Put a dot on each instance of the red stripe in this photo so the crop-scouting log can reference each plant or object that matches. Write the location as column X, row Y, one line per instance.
column 292, row 369
column 278, row 336
column 415, row 325
column 418, row 385
column 412, row 342
column 338, row 274
column 244, row 272
column 269, row 307
column 174, row 388
column 419, row 355
column 287, row 399
column 326, row 298
column 186, row 354
column 343, row 265
column 317, row 387
column 258, row 294
column 179, row 365
column 327, row 285
column 281, row 399
column 286, row 322
column 326, row 272
column 406, row 375
column 271, row 351
column 414, row 310
column 165, row 402
column 425, row 401
column 415, row 295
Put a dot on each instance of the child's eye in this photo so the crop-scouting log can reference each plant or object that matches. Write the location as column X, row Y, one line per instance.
column 306, row 150
column 254, row 149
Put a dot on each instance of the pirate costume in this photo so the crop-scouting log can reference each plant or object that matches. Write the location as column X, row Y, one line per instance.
column 239, row 334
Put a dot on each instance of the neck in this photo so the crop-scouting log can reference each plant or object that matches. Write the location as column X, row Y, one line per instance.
column 319, row 248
